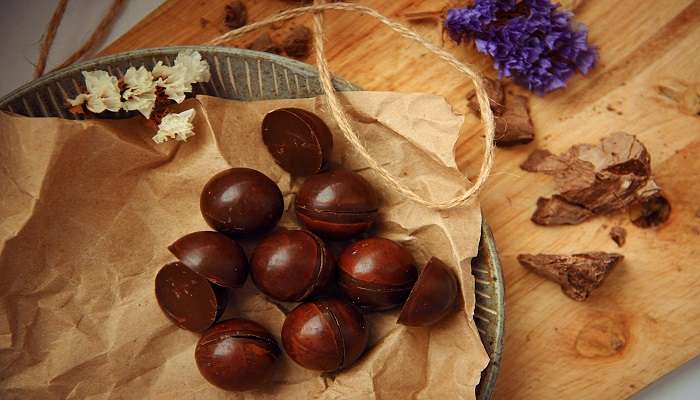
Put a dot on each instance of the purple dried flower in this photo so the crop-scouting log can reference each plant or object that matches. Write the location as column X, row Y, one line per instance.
column 529, row 40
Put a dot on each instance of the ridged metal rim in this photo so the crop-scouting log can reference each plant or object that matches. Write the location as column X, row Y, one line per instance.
column 259, row 76
column 129, row 56
column 485, row 279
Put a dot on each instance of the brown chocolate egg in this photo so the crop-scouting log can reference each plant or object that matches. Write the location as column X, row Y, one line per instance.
column 432, row 297
column 214, row 256
column 325, row 335
column 291, row 265
column 236, row 354
column 189, row 299
column 337, row 204
column 376, row 273
column 241, row 202
column 298, row 140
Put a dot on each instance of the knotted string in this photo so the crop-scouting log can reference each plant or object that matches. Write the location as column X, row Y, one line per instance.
column 341, row 117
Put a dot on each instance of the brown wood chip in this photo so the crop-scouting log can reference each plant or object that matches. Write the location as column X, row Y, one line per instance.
column 601, row 178
column 497, row 97
column 578, row 274
column 535, row 160
column 514, row 126
column 265, row 43
column 236, row 15
column 298, row 43
column 513, row 123
column 619, row 235
column 650, row 211
column 558, row 211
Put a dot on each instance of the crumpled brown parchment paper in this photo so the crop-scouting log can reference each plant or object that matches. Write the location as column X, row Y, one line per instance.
column 89, row 207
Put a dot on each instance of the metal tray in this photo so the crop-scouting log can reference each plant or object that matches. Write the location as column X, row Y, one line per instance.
column 250, row 75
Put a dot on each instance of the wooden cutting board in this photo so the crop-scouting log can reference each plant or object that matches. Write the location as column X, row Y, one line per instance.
column 645, row 320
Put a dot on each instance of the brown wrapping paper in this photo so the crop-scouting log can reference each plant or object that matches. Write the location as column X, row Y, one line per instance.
column 89, row 208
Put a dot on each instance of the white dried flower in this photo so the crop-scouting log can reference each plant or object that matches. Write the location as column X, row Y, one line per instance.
column 177, row 80
column 103, row 92
column 176, row 126
column 140, row 93
column 172, row 79
column 197, row 69
column 81, row 99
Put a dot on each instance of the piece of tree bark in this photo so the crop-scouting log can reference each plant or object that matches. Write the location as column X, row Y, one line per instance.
column 619, row 235
column 558, row 211
column 514, row 126
column 578, row 274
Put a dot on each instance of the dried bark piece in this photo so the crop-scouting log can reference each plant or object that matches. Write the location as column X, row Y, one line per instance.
column 497, row 97
column 601, row 178
column 650, row 211
column 513, row 123
column 578, row 274
column 616, row 169
column 652, row 208
column 625, row 155
column 619, row 235
column 265, row 43
column 604, row 178
column 558, row 211
column 298, row 43
column 514, row 126
column 536, row 160
column 236, row 14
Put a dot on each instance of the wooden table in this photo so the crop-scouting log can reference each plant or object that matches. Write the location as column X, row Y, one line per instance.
column 645, row 320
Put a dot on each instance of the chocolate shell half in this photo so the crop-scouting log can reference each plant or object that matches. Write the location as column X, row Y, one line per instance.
column 432, row 297
column 189, row 299
column 213, row 255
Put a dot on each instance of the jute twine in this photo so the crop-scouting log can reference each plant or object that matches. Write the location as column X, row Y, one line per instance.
column 97, row 35
column 49, row 37
column 341, row 117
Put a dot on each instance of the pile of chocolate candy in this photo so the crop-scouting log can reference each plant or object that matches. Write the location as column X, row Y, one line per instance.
column 327, row 330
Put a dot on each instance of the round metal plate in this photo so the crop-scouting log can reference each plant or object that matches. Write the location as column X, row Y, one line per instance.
column 249, row 75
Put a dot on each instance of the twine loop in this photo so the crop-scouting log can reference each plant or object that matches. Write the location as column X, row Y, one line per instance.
column 341, row 117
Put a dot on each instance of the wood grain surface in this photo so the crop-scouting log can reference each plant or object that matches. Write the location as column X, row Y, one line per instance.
column 645, row 320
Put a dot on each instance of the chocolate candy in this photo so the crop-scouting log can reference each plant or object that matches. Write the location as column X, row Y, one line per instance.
column 432, row 297
column 326, row 335
column 298, row 140
column 236, row 354
column 241, row 202
column 376, row 273
column 188, row 298
column 213, row 255
column 291, row 265
column 337, row 204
